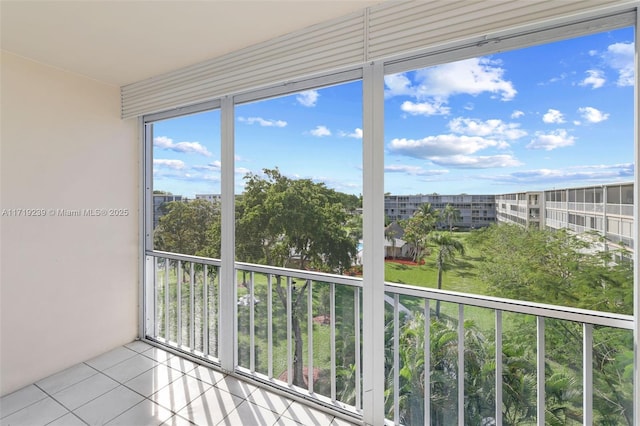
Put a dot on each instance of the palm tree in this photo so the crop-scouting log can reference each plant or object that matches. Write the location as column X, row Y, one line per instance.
column 447, row 248
column 451, row 215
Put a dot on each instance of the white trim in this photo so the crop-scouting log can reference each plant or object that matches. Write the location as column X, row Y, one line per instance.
column 143, row 224
column 187, row 110
column 636, row 239
column 373, row 378
column 506, row 40
column 296, row 86
column 227, row 313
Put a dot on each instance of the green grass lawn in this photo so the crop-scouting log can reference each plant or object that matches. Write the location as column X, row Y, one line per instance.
column 460, row 275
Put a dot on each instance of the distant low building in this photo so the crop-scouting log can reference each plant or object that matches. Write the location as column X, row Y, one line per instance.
column 209, row 197
column 158, row 201
column 476, row 211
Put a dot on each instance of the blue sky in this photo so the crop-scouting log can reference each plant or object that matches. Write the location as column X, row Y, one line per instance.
column 550, row 116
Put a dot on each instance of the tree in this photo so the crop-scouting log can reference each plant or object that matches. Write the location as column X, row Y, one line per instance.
column 184, row 228
column 450, row 215
column 556, row 267
column 559, row 267
column 447, row 247
column 418, row 227
column 294, row 223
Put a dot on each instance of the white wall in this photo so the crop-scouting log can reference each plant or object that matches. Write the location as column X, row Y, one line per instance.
column 68, row 288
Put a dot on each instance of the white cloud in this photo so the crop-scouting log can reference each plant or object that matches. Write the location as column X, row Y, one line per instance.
column 216, row 165
column 553, row 116
column 242, row 170
column 561, row 177
column 262, row 122
column 470, row 76
column 424, row 108
column 517, row 114
column 592, row 115
column 561, row 77
column 413, row 170
column 356, row 134
column 620, row 57
column 493, row 127
column 398, row 84
column 321, row 131
column 436, row 84
column 171, row 164
column 440, row 145
column 595, row 79
column 164, row 142
column 550, row 141
column 477, row 162
column 308, row 98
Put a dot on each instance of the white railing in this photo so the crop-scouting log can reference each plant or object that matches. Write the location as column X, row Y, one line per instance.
column 300, row 331
column 183, row 302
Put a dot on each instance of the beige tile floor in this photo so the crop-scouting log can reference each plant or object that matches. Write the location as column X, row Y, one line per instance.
column 139, row 385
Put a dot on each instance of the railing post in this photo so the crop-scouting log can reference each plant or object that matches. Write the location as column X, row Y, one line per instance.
column 427, row 362
column 540, row 363
column 587, row 375
column 461, row 372
column 498, row 356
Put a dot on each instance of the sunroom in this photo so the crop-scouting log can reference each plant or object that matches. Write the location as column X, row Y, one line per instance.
column 203, row 228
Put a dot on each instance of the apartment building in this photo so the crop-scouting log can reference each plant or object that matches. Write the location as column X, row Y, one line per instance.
column 522, row 208
column 475, row 210
column 605, row 209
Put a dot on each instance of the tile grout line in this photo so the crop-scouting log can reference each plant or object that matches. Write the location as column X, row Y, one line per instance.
column 50, row 396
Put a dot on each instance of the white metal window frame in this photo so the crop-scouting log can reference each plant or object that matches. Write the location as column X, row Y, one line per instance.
column 372, row 74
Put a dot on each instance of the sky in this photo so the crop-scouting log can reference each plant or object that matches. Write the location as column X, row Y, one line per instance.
column 551, row 116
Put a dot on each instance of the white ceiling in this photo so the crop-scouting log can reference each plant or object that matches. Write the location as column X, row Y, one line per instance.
column 120, row 42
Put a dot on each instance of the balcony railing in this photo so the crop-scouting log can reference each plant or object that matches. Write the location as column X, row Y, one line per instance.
column 300, row 331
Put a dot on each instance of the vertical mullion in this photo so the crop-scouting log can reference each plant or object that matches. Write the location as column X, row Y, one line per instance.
column 270, row 326
column 373, row 339
column 252, row 341
column 289, row 326
column 461, row 365
column 540, row 370
column 192, row 303
column 636, row 229
column 356, row 325
column 228, row 307
column 396, row 359
column 427, row 363
column 498, row 355
column 205, row 310
column 310, row 335
column 179, row 305
column 332, row 321
column 587, row 374
column 145, row 226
